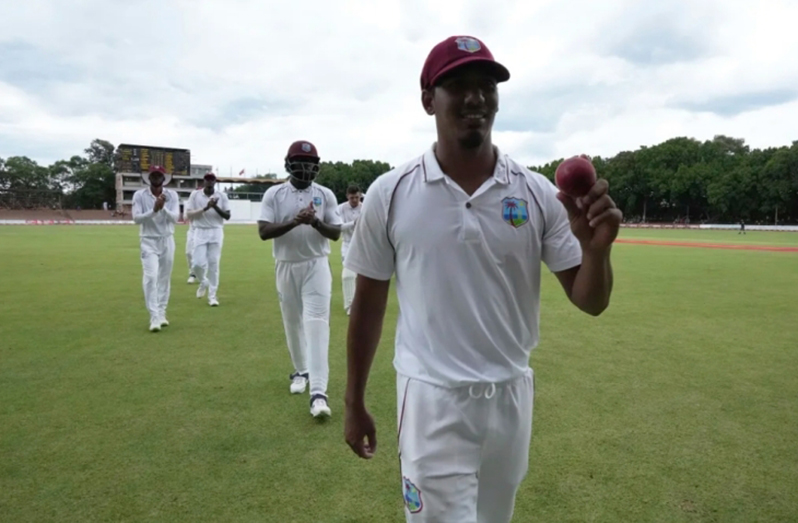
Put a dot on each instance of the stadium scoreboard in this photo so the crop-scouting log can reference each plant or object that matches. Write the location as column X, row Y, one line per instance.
column 139, row 158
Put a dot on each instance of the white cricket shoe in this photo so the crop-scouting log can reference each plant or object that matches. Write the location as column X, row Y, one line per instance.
column 192, row 279
column 155, row 325
column 201, row 290
column 298, row 383
column 319, row 407
column 213, row 302
column 164, row 322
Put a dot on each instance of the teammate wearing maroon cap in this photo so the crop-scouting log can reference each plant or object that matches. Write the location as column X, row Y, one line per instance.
column 465, row 230
column 156, row 211
column 209, row 209
column 302, row 216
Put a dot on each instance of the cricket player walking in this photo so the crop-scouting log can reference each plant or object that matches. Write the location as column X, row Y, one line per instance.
column 209, row 210
column 192, row 278
column 465, row 229
column 302, row 216
column 156, row 211
column 349, row 211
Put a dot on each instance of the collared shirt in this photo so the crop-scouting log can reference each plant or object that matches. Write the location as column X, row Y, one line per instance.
column 209, row 219
column 281, row 203
column 467, row 268
column 155, row 224
column 348, row 216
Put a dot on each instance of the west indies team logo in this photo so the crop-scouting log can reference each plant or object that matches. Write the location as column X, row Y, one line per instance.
column 468, row 44
column 515, row 211
column 317, row 201
column 412, row 496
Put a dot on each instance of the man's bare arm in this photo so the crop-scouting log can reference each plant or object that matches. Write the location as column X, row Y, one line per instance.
column 594, row 220
column 193, row 214
column 269, row 230
column 332, row 232
column 365, row 328
column 589, row 286
column 221, row 212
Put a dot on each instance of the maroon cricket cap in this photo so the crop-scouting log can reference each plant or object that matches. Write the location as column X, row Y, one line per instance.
column 157, row 169
column 302, row 148
column 456, row 51
column 209, row 176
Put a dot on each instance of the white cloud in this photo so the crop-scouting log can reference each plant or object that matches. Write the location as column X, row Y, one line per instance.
column 237, row 81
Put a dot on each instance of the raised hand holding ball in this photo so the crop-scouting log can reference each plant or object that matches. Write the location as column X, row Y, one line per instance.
column 595, row 219
column 575, row 176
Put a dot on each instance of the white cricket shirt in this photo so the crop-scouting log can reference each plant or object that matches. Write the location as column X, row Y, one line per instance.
column 155, row 224
column 209, row 219
column 187, row 207
column 467, row 269
column 348, row 216
column 281, row 203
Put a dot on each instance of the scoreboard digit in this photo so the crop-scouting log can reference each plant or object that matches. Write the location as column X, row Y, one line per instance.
column 144, row 160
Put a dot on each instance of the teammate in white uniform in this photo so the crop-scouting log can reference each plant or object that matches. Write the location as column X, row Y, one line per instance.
column 210, row 208
column 156, row 210
column 302, row 216
column 349, row 211
column 192, row 278
column 465, row 230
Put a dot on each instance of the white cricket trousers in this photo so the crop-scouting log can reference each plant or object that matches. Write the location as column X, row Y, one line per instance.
column 348, row 279
column 190, row 249
column 305, row 290
column 464, row 451
column 207, row 256
column 157, row 259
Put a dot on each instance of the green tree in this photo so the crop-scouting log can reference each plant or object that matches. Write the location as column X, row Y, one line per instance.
column 339, row 175
column 100, row 151
column 25, row 184
column 22, row 173
column 255, row 188
column 90, row 181
column 94, row 185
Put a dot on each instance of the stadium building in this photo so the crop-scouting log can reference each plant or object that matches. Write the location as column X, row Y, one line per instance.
column 128, row 183
column 132, row 160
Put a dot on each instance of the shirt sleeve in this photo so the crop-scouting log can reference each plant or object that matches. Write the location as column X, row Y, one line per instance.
column 193, row 211
column 371, row 253
column 172, row 206
column 331, row 214
column 139, row 216
column 189, row 206
column 345, row 225
column 267, row 212
column 561, row 249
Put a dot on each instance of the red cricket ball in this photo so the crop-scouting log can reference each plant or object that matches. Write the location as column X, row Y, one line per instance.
column 575, row 176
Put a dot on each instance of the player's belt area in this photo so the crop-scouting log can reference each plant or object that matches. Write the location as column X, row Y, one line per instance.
column 477, row 391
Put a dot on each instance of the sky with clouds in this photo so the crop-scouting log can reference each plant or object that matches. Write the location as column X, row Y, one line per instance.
column 236, row 81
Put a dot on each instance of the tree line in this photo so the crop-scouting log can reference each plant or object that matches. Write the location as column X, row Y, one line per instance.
column 81, row 181
column 678, row 180
column 721, row 180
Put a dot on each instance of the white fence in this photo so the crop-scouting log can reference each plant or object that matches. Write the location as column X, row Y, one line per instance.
column 247, row 213
column 712, row 226
column 244, row 211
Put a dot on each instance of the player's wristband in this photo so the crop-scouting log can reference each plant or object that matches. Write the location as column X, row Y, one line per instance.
column 315, row 223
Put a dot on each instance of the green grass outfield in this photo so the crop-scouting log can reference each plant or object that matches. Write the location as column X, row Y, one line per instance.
column 679, row 404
